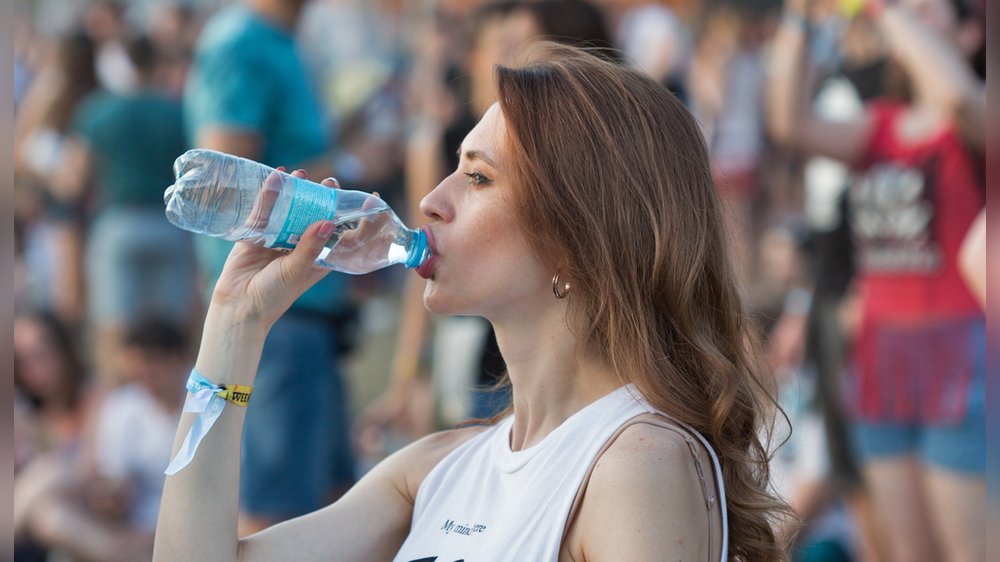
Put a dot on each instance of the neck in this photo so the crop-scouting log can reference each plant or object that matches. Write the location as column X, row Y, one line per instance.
column 284, row 13
column 551, row 375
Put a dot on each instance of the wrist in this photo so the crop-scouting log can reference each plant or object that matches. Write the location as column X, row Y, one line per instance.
column 232, row 320
column 231, row 345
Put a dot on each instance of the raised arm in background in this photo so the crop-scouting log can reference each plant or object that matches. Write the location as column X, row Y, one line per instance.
column 943, row 84
column 942, row 79
column 406, row 403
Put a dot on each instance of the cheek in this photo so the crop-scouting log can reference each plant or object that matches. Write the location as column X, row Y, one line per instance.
column 496, row 247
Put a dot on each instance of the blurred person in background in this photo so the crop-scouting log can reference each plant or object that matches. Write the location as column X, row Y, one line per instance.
column 118, row 159
column 445, row 98
column 104, row 22
column 52, row 406
column 356, row 49
column 49, row 388
column 174, row 29
column 446, row 102
column 52, row 224
column 848, row 58
column 655, row 40
column 154, row 359
column 917, row 378
column 249, row 94
column 801, row 470
column 726, row 94
column 102, row 504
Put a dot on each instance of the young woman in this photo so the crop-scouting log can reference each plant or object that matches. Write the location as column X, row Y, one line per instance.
column 918, row 377
column 583, row 224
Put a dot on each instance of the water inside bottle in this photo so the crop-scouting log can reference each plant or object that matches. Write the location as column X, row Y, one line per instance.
column 364, row 241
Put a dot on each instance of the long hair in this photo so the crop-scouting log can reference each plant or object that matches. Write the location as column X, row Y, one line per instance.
column 614, row 188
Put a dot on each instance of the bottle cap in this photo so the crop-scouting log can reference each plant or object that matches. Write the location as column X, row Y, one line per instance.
column 419, row 253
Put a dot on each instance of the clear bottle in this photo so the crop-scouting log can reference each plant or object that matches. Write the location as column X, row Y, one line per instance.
column 238, row 199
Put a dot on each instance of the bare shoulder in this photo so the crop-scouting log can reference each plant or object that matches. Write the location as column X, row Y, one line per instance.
column 644, row 500
column 648, row 459
column 415, row 461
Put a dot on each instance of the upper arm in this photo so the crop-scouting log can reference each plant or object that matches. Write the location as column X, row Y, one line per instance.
column 370, row 522
column 646, row 498
column 229, row 100
column 845, row 141
column 238, row 142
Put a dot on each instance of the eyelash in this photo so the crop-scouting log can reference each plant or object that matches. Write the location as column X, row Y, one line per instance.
column 475, row 178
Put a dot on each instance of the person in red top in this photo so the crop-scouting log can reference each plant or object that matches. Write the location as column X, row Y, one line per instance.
column 917, row 383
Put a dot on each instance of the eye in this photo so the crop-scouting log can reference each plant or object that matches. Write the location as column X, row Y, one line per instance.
column 475, row 178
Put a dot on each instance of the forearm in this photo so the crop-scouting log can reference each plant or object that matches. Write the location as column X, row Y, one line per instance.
column 940, row 75
column 199, row 510
column 786, row 105
column 412, row 330
column 425, row 164
column 424, row 169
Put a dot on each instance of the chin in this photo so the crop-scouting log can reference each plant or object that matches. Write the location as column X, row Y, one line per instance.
column 439, row 302
column 433, row 301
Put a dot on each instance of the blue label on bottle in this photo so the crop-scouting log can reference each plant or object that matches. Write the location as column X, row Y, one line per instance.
column 310, row 203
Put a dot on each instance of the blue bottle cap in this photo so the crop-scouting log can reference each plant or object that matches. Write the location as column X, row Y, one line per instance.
column 418, row 252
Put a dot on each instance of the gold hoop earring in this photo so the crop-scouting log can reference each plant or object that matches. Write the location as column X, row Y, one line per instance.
column 560, row 289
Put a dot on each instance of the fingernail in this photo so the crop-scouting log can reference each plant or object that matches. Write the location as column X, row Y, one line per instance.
column 326, row 229
column 334, row 180
column 299, row 171
column 281, row 168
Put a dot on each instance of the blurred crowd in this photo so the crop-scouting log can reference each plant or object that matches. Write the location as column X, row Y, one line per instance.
column 846, row 146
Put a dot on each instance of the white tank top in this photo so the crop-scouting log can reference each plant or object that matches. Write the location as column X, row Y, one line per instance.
column 486, row 503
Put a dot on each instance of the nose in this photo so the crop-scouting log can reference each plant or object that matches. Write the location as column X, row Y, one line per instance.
column 437, row 204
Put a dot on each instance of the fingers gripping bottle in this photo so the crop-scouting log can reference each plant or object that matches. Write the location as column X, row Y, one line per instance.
column 238, row 199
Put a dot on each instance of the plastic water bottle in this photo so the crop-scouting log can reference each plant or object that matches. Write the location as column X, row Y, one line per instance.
column 238, row 199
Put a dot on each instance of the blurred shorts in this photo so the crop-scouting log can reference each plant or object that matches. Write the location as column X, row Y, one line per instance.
column 956, row 446
column 296, row 439
column 139, row 266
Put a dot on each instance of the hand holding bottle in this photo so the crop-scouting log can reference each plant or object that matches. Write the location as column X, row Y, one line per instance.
column 258, row 284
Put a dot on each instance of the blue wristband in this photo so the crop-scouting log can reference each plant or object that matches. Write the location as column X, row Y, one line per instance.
column 206, row 399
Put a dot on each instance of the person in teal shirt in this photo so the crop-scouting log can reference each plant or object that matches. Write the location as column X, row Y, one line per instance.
column 118, row 160
column 249, row 94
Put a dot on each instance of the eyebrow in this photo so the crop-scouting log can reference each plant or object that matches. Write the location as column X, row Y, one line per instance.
column 477, row 155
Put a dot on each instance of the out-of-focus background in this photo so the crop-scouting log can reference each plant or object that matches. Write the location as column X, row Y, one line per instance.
column 109, row 297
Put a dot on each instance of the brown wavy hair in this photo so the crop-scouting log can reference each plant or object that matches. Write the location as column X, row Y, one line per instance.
column 613, row 184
